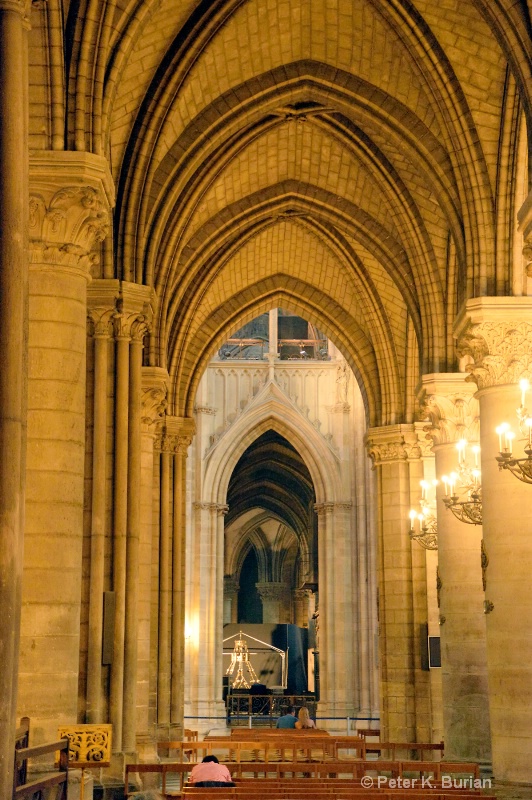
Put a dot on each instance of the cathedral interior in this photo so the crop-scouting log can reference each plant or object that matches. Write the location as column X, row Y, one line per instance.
column 266, row 343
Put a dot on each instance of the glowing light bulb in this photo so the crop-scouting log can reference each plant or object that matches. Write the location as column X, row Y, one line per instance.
column 524, row 385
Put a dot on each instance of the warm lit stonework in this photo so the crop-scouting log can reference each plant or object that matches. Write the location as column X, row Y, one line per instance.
column 265, row 277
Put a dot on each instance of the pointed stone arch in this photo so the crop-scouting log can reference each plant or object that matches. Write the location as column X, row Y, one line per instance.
column 277, row 413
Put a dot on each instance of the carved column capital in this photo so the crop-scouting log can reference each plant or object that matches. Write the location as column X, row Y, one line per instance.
column 272, row 591
column 323, row 508
column 154, row 389
column 208, row 410
column 71, row 195
column 102, row 295
column 524, row 217
column 220, row 509
column 495, row 333
column 182, row 430
column 153, row 403
column 394, row 443
column 301, row 595
column 231, row 585
column 451, row 408
column 21, row 7
column 329, row 506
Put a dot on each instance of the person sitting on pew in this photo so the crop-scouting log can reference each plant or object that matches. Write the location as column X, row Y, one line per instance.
column 303, row 719
column 210, row 773
column 288, row 720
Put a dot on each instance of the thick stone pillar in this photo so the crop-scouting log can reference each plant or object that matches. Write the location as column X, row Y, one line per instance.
column 392, row 448
column 70, row 196
column 453, row 412
column 496, row 333
column 13, row 337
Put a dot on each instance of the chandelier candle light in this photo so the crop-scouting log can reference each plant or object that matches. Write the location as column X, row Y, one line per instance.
column 426, row 533
column 463, row 492
column 520, row 467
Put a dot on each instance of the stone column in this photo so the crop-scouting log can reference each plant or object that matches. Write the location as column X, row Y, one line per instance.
column 301, row 607
column 273, row 327
column 119, row 540
column 496, row 334
column 275, row 608
column 13, row 336
column 132, row 315
column 101, row 300
column 231, row 588
column 205, row 613
column 391, row 449
column 164, row 448
column 130, row 718
column 337, row 642
column 181, row 429
column 421, row 467
column 70, row 196
column 453, row 411
column 154, row 387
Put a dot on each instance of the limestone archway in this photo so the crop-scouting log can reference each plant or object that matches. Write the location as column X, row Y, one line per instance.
column 339, row 531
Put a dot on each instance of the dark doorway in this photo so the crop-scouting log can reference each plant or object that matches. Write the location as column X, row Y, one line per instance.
column 249, row 602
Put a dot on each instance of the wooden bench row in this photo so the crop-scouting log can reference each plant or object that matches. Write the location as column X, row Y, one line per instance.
column 319, row 748
column 288, row 748
column 332, row 793
column 251, row 733
column 353, row 770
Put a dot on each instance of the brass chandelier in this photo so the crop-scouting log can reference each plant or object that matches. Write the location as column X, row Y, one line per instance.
column 520, row 467
column 463, row 491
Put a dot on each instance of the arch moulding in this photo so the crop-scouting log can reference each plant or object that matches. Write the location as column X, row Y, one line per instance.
column 275, row 413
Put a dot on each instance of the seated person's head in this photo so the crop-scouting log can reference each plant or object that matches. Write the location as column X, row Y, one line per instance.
column 210, row 758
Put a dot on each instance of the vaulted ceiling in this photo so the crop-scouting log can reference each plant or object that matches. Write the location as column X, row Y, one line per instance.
column 353, row 161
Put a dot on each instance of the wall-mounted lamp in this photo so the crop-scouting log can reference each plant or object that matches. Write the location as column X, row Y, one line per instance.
column 520, row 467
column 463, row 491
column 423, row 523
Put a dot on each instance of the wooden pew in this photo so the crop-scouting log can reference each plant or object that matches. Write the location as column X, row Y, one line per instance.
column 57, row 781
column 397, row 750
column 286, row 748
column 250, row 733
column 290, row 776
column 337, row 791
column 367, row 733
column 22, row 741
column 162, row 769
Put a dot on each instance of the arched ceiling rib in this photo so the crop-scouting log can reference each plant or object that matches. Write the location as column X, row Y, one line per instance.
column 377, row 125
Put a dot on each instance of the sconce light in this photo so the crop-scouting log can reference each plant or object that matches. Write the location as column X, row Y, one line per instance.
column 463, row 491
column 426, row 530
column 520, row 467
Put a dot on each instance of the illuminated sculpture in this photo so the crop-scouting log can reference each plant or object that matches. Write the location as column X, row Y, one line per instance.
column 240, row 656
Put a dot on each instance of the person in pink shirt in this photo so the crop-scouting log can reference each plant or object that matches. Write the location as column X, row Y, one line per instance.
column 210, row 773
